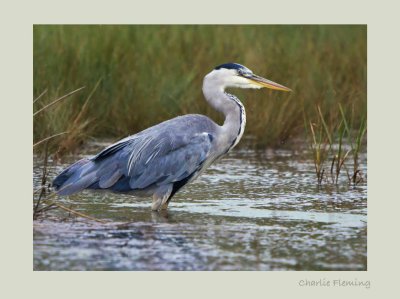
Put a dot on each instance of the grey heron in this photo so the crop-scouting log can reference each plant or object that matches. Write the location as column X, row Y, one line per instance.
column 162, row 159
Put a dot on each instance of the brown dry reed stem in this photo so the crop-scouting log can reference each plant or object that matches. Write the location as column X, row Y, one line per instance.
column 339, row 157
column 42, row 94
column 339, row 153
column 83, row 110
column 47, row 208
column 43, row 181
column 76, row 129
column 52, row 203
column 76, row 213
column 48, row 138
column 37, row 190
column 57, row 100
column 319, row 147
column 328, row 135
column 313, row 144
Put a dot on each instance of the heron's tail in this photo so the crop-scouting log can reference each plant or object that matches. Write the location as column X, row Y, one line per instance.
column 75, row 178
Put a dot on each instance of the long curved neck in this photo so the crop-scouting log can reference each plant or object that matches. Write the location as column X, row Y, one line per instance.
column 233, row 110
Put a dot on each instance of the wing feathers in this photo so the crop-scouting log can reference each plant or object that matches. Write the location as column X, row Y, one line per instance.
column 174, row 165
column 160, row 155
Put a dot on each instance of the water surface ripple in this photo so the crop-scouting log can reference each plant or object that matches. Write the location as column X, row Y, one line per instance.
column 250, row 211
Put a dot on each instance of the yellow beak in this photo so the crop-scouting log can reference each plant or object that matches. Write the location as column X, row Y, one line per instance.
column 267, row 83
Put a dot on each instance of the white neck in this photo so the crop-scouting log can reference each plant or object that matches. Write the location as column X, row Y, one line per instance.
column 233, row 110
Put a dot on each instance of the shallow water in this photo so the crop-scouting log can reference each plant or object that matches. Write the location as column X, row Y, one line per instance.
column 253, row 210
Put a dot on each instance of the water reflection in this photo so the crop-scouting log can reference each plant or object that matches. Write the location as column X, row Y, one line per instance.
column 251, row 211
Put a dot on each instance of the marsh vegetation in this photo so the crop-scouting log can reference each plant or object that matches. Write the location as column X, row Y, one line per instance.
column 297, row 181
column 137, row 76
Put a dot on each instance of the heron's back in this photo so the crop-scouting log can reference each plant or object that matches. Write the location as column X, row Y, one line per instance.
column 190, row 124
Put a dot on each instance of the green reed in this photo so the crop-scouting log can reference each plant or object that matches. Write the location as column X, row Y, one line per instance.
column 355, row 140
column 152, row 73
column 328, row 142
column 320, row 143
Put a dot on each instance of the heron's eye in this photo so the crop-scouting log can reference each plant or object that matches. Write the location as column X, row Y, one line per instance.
column 244, row 74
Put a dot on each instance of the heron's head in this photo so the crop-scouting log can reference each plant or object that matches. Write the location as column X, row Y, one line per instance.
column 237, row 75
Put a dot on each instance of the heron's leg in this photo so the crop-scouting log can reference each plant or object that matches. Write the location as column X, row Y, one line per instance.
column 156, row 202
column 164, row 205
column 160, row 198
column 160, row 203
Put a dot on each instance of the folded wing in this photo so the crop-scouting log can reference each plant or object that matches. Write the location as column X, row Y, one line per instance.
column 139, row 162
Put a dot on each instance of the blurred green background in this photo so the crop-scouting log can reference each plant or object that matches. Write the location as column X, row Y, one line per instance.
column 148, row 74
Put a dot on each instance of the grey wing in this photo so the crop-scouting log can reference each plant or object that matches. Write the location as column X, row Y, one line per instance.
column 168, row 160
column 154, row 157
column 146, row 161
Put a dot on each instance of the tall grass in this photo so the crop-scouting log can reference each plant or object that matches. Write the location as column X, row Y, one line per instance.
column 328, row 142
column 355, row 139
column 152, row 73
column 320, row 143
